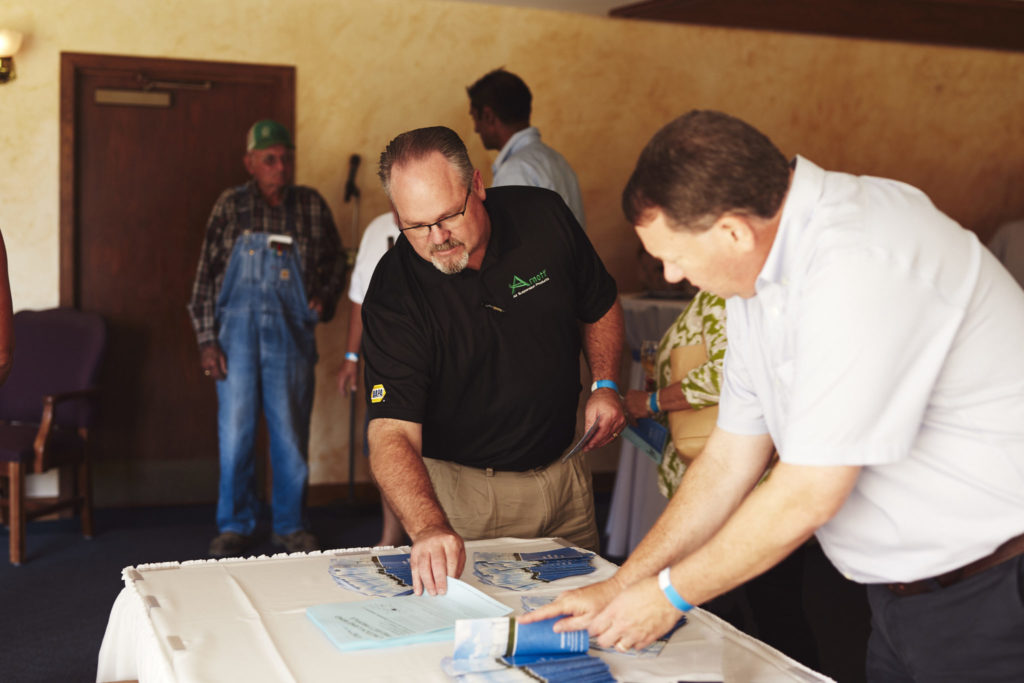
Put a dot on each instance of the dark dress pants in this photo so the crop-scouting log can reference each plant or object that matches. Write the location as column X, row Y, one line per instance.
column 970, row 631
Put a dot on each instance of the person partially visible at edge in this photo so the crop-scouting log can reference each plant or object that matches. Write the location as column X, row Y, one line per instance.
column 1008, row 246
column 472, row 328
column 6, row 316
column 500, row 104
column 271, row 268
column 379, row 236
column 876, row 343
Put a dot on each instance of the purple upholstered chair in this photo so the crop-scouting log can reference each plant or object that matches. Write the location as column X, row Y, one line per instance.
column 46, row 409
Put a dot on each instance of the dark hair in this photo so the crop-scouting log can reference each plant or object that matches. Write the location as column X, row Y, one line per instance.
column 418, row 143
column 702, row 165
column 505, row 93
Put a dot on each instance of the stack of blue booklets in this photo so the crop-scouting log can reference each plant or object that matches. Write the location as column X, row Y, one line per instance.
column 501, row 649
column 378, row 576
column 523, row 571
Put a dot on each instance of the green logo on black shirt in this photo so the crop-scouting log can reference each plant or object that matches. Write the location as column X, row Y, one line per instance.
column 520, row 286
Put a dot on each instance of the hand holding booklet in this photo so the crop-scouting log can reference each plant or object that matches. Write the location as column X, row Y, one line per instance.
column 501, row 649
column 532, row 602
column 402, row 620
column 584, row 440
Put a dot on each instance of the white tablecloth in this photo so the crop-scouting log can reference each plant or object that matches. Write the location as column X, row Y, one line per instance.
column 636, row 502
column 244, row 620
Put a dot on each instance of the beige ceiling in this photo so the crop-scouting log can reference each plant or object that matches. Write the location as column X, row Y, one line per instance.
column 595, row 7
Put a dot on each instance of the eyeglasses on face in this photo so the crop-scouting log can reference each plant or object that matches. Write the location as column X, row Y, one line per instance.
column 270, row 159
column 424, row 228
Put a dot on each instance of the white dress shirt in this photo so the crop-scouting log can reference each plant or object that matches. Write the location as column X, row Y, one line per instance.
column 884, row 335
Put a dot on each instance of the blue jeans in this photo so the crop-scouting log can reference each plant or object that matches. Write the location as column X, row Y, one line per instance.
column 265, row 329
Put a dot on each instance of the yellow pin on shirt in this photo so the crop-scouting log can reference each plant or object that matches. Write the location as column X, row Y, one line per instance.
column 285, row 274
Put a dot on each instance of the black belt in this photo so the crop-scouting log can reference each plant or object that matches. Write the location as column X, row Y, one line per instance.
column 1010, row 549
column 490, row 471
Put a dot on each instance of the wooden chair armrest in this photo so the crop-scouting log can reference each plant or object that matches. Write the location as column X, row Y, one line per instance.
column 69, row 396
column 46, row 423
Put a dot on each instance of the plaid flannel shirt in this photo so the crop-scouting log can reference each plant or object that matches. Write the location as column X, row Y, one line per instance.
column 311, row 225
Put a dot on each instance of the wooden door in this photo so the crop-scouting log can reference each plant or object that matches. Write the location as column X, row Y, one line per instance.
column 147, row 145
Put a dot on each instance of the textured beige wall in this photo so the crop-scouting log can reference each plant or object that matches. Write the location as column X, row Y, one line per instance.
column 946, row 119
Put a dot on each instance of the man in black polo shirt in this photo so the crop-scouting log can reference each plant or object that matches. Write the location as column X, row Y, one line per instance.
column 473, row 324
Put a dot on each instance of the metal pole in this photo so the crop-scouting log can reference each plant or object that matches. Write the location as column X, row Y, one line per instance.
column 352, row 192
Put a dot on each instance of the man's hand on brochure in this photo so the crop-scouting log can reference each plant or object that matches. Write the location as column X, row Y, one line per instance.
column 580, row 606
column 636, row 618
column 437, row 553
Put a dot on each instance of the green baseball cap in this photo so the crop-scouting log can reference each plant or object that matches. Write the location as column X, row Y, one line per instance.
column 267, row 133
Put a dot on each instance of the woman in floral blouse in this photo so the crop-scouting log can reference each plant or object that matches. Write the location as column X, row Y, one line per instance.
column 703, row 321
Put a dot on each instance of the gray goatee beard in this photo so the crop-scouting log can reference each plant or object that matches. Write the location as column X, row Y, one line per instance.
column 450, row 267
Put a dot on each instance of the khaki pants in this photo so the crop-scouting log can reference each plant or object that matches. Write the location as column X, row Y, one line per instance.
column 557, row 500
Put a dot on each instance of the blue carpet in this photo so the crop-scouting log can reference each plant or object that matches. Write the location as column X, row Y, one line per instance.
column 55, row 606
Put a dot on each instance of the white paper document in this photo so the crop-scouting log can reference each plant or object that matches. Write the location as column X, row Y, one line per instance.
column 403, row 620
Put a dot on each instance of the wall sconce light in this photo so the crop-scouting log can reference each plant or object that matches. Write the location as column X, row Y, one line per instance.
column 10, row 43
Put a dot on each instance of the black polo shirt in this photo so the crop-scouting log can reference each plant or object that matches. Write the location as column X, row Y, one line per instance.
column 488, row 361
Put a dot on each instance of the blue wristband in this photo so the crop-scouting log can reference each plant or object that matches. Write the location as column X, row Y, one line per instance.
column 653, row 403
column 352, row 356
column 604, row 384
column 665, row 583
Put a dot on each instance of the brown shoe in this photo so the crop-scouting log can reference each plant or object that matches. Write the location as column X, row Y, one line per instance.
column 230, row 544
column 300, row 541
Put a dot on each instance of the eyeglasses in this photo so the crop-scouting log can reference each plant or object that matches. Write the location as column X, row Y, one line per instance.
column 272, row 159
column 424, row 228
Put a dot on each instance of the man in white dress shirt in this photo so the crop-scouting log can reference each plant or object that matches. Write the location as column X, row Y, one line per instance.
column 875, row 342
column 500, row 104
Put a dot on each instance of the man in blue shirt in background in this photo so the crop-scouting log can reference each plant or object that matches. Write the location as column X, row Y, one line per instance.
column 500, row 104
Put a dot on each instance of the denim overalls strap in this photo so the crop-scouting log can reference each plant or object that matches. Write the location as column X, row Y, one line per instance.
column 261, row 276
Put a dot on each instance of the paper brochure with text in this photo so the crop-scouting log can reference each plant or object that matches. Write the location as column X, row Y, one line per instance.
column 402, row 620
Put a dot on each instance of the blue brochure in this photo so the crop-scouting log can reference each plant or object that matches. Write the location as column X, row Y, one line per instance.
column 379, row 576
column 525, row 571
column 502, row 649
column 649, row 437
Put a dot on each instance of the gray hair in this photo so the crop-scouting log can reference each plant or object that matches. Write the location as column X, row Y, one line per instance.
column 418, row 143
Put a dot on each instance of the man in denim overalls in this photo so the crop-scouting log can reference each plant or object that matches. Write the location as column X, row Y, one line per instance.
column 271, row 268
